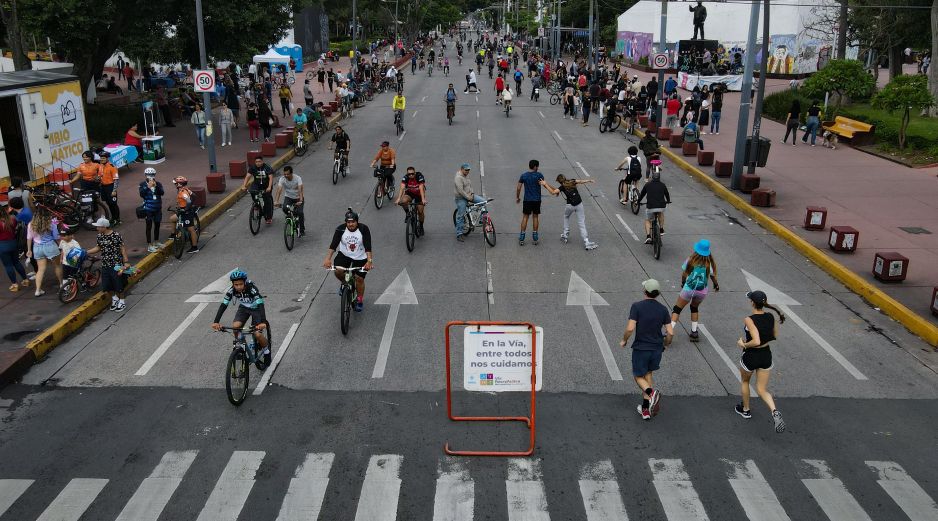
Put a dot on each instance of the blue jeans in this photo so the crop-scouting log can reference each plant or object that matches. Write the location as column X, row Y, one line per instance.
column 813, row 123
column 714, row 122
column 461, row 204
column 200, row 132
column 10, row 260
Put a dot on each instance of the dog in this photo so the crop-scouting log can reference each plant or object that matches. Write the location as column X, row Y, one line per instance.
column 830, row 140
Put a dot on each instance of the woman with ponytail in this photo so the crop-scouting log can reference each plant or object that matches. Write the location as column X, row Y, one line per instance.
column 760, row 329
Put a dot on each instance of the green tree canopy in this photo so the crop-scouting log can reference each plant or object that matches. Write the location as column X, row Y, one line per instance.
column 904, row 93
column 844, row 79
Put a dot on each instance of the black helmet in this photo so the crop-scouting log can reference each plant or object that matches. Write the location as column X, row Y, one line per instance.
column 350, row 215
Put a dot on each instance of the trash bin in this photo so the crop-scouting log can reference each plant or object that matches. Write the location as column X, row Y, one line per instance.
column 762, row 150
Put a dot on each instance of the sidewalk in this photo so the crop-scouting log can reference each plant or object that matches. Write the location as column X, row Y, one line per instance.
column 877, row 197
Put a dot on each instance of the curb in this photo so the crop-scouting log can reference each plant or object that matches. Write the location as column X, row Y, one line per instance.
column 875, row 296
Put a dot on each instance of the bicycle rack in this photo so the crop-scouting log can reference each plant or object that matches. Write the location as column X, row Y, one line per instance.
column 528, row 420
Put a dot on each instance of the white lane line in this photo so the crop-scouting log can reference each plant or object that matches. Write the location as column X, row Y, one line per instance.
column 604, row 349
column 558, row 136
column 831, row 494
column 304, row 497
column 911, row 498
column 587, row 174
column 477, row 98
column 414, row 115
column 233, row 487
column 754, row 492
column 542, row 114
column 675, row 491
column 381, row 489
column 600, row 490
column 720, row 352
column 278, row 356
column 621, row 220
column 11, row 490
column 823, row 343
column 455, row 492
column 490, row 288
column 482, row 168
column 477, row 114
column 527, row 500
column 73, row 500
column 423, row 99
column 479, row 133
column 155, row 491
column 404, row 133
column 305, row 292
column 161, row 350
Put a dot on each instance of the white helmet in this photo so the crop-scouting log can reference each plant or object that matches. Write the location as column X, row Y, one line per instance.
column 150, row 172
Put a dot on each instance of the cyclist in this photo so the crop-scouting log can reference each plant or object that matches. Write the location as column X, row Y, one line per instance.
column 634, row 171
column 250, row 305
column 186, row 210
column 351, row 245
column 464, row 196
column 649, row 145
column 519, row 77
column 387, row 159
column 291, row 187
column 398, row 105
column 507, row 97
column 499, row 88
column 413, row 64
column 432, row 56
column 479, row 58
column 260, row 179
column 450, row 98
column 491, row 64
column 658, row 198
column 446, row 65
column 413, row 187
column 300, row 123
column 343, row 145
column 400, row 80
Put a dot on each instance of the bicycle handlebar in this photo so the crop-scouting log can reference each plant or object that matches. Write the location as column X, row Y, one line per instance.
column 340, row 268
column 252, row 329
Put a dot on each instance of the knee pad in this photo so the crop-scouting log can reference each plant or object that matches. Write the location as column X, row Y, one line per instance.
column 676, row 310
column 693, row 308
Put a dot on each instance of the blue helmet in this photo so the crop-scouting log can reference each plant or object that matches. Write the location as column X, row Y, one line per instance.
column 238, row 274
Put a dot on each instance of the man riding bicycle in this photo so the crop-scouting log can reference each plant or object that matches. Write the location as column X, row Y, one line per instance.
column 351, row 245
column 398, row 105
column 649, row 146
column 633, row 171
column 450, row 98
column 658, row 198
column 342, row 143
column 413, row 188
column 250, row 305
column 260, row 179
column 387, row 159
column 300, row 124
column 291, row 187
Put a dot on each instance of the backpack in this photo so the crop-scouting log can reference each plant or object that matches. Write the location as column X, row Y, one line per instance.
column 635, row 167
column 697, row 280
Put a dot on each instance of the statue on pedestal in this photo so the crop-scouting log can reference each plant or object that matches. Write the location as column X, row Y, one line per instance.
column 700, row 16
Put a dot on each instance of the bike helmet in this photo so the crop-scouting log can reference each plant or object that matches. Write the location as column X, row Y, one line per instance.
column 75, row 257
column 180, row 180
column 238, row 274
column 150, row 172
column 350, row 215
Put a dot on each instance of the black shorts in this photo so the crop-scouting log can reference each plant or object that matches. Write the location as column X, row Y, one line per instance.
column 256, row 315
column 111, row 280
column 188, row 218
column 631, row 178
column 756, row 358
column 529, row 207
column 415, row 197
column 344, row 262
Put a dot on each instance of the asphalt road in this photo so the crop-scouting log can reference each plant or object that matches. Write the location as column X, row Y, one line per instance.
column 131, row 398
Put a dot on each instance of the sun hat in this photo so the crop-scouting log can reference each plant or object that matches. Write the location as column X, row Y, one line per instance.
column 651, row 285
column 102, row 223
column 702, row 248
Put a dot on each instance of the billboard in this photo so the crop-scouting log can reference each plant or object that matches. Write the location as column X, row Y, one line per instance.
column 65, row 123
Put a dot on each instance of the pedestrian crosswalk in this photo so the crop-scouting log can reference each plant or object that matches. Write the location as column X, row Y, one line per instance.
column 530, row 494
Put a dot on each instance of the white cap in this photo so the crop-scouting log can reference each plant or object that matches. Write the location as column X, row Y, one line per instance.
column 102, row 223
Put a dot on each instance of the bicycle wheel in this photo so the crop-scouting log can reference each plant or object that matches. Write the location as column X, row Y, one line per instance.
column 554, row 99
column 289, row 235
column 179, row 243
column 379, row 193
column 345, row 309
column 410, row 232
column 397, row 128
column 97, row 211
column 603, row 125
column 389, row 192
column 622, row 189
column 197, row 225
column 634, row 200
column 237, row 377
column 254, row 219
column 614, row 124
column 454, row 216
column 488, row 229
column 300, row 148
column 68, row 291
column 656, row 239
column 335, row 172
column 344, row 166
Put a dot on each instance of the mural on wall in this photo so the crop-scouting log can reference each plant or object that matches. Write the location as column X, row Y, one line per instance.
column 634, row 46
column 781, row 51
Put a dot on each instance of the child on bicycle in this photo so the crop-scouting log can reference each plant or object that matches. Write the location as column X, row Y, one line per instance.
column 73, row 256
column 633, row 172
column 658, row 198
column 250, row 305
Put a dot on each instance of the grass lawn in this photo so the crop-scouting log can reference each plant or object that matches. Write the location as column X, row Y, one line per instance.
column 925, row 129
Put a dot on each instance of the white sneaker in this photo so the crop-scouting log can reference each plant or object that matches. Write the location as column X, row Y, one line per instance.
column 229, row 143
column 120, row 306
column 591, row 246
column 152, row 248
column 223, row 144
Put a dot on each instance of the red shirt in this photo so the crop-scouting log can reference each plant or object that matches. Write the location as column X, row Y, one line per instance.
column 674, row 106
column 132, row 141
column 499, row 83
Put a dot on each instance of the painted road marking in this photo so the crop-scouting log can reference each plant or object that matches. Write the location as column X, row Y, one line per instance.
column 307, row 490
column 423, row 99
column 490, row 288
column 754, row 492
column 161, row 350
column 587, row 174
column 477, row 114
column 542, row 114
column 600, row 490
column 233, row 487
column 579, row 293
column 401, row 291
column 482, row 168
column 558, row 136
column 73, row 500
column 455, row 492
column 155, row 491
column 626, row 226
column 527, row 500
column 479, row 134
column 381, row 489
column 414, row 115
column 675, row 491
column 11, row 490
column 404, row 133
column 720, row 352
column 278, row 356
column 831, row 494
column 911, row 498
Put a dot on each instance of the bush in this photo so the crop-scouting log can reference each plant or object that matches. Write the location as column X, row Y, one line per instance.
column 344, row 47
column 108, row 123
column 643, row 60
column 775, row 106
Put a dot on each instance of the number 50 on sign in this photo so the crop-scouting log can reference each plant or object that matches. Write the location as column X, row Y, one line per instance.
column 203, row 81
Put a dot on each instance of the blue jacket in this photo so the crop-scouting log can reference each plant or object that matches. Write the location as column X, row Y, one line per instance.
column 152, row 198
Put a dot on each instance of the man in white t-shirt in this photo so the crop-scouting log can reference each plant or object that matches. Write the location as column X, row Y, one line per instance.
column 351, row 245
column 290, row 186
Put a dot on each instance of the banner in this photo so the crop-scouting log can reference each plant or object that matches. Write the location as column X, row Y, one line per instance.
column 65, row 123
column 686, row 81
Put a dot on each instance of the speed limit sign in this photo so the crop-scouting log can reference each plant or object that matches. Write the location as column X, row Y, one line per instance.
column 659, row 61
column 203, row 81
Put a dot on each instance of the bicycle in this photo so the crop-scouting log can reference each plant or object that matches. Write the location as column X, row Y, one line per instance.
column 243, row 354
column 632, row 191
column 181, row 236
column 84, row 208
column 382, row 188
column 87, row 278
column 412, row 226
column 310, row 75
column 301, row 145
column 450, row 111
column 553, row 87
column 554, row 98
column 346, row 108
column 291, row 226
column 257, row 211
column 347, row 296
column 610, row 122
column 339, row 165
column 507, row 108
column 398, row 122
column 477, row 214
column 656, row 235
column 430, row 70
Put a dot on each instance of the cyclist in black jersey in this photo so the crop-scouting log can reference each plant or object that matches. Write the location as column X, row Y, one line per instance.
column 340, row 141
column 250, row 305
column 413, row 187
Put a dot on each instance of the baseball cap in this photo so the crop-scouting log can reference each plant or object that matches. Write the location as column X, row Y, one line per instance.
column 102, row 223
column 464, row 166
column 757, row 296
column 651, row 285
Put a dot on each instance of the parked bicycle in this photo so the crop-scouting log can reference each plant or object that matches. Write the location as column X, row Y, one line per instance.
column 85, row 279
column 383, row 189
column 477, row 215
column 244, row 352
column 554, row 98
column 181, row 238
column 347, row 295
column 340, row 166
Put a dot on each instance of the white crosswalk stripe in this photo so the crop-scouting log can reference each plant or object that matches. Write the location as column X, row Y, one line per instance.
column 600, row 490
column 11, row 490
column 307, row 489
column 232, row 489
column 73, row 500
column 831, row 494
column 754, row 492
column 455, row 492
column 677, row 494
column 381, row 489
column 154, row 492
column 527, row 499
column 910, row 497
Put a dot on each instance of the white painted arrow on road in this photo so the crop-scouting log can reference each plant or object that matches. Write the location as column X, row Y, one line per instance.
column 579, row 293
column 783, row 302
column 401, row 291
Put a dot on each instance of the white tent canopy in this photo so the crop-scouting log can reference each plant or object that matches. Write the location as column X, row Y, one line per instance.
column 271, row 56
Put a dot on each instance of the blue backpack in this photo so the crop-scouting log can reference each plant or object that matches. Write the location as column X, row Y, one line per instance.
column 697, row 280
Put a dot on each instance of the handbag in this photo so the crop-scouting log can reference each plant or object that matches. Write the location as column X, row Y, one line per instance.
column 141, row 212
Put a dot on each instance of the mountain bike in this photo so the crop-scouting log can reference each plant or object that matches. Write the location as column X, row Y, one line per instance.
column 347, row 295
column 412, row 226
column 301, row 145
column 450, row 111
column 632, row 191
column 477, row 215
column 291, row 226
column 382, row 188
column 398, row 122
column 244, row 352
column 339, row 165
column 610, row 122
column 181, row 238
column 257, row 211
column 554, row 98
column 86, row 279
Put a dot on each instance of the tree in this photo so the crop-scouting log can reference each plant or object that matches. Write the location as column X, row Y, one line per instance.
column 888, row 28
column 904, row 93
column 933, row 70
column 9, row 15
column 843, row 78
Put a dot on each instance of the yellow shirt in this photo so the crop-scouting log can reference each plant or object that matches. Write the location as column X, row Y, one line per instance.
column 399, row 103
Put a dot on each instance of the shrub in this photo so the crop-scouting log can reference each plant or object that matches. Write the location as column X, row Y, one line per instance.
column 108, row 123
column 775, row 106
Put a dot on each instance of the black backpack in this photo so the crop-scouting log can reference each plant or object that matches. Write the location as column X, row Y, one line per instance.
column 635, row 167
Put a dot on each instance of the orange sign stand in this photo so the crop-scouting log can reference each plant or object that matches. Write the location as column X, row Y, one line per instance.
column 528, row 420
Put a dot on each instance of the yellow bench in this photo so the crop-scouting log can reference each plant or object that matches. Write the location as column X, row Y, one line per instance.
column 857, row 132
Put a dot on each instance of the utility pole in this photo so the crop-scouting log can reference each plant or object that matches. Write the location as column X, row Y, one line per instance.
column 206, row 97
column 590, row 35
column 760, row 94
column 744, row 98
column 354, row 37
column 662, row 47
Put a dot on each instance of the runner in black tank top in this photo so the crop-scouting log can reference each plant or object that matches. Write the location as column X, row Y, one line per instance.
column 760, row 329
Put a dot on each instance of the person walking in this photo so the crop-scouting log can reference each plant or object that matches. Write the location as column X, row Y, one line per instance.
column 321, row 78
column 697, row 270
column 651, row 325
column 792, row 121
column 199, row 122
column 9, row 250
column 254, row 123
column 234, row 104
column 308, row 94
column 673, row 110
column 330, row 77
column 151, row 191
column 109, row 180
column 225, row 120
column 761, row 329
column 531, row 182
column 814, row 122
column 716, row 109
column 114, row 262
column 42, row 237
column 463, row 196
column 265, row 117
column 286, row 96
column 568, row 187
column 163, row 103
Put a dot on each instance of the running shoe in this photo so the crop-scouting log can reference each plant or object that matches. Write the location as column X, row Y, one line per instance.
column 643, row 412
column 779, row 422
column 359, row 305
column 655, row 402
column 648, row 239
column 694, row 336
column 121, row 305
column 743, row 412
column 591, row 246
column 194, row 249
